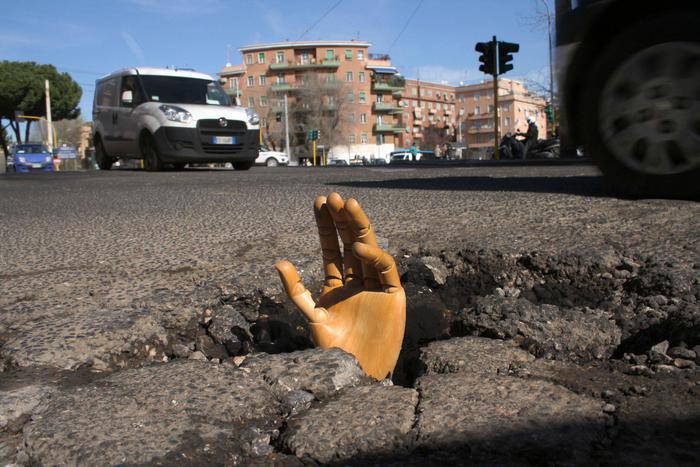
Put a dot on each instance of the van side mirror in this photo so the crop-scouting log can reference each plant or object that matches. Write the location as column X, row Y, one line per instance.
column 127, row 97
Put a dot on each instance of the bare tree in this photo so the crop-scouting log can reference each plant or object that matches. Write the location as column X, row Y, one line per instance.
column 314, row 104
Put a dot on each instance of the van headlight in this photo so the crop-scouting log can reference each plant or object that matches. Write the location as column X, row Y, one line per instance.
column 176, row 114
column 253, row 117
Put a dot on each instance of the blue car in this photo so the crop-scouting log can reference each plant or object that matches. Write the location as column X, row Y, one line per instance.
column 32, row 157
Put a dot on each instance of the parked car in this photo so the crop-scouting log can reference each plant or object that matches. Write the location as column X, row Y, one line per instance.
column 32, row 157
column 270, row 158
column 628, row 79
column 170, row 116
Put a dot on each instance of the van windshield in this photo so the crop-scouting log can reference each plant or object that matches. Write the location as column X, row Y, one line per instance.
column 177, row 90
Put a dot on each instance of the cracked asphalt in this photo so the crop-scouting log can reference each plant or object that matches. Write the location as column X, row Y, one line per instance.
column 72, row 241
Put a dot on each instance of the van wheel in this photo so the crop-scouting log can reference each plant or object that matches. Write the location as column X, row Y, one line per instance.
column 271, row 162
column 104, row 162
column 242, row 165
column 640, row 108
column 149, row 152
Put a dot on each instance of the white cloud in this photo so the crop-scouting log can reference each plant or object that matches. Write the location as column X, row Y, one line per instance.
column 133, row 46
column 440, row 73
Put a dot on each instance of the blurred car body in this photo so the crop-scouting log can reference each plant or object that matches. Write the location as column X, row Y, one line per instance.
column 628, row 75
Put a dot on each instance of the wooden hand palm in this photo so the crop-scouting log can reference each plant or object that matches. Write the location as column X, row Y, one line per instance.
column 363, row 309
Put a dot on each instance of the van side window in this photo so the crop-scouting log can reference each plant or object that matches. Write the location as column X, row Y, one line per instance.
column 130, row 83
column 107, row 93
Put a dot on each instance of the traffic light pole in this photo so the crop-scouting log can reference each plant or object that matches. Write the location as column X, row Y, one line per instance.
column 313, row 145
column 496, row 154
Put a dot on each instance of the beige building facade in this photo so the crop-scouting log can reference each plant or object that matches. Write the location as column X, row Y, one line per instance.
column 376, row 110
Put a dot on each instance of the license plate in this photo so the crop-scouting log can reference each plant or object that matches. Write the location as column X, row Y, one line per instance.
column 36, row 166
column 224, row 140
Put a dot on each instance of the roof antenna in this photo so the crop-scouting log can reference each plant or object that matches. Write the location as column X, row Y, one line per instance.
column 228, row 54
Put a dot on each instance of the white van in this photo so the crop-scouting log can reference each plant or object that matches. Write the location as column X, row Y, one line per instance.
column 170, row 116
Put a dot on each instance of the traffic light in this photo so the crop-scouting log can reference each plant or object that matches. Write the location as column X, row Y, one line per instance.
column 313, row 135
column 487, row 59
column 505, row 51
column 550, row 114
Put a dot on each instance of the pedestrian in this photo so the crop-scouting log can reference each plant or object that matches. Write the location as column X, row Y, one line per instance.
column 56, row 163
column 414, row 151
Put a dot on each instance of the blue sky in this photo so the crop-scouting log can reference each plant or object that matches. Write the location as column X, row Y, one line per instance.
column 90, row 38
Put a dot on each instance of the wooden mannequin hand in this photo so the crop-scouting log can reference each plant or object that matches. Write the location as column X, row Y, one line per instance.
column 362, row 307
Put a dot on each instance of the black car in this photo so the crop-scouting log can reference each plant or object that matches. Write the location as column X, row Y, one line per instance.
column 629, row 81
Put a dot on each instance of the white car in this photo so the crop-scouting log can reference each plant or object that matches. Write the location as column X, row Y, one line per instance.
column 270, row 158
column 170, row 116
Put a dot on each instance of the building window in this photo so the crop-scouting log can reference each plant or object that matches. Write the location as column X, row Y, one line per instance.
column 490, row 108
column 506, row 107
column 361, row 76
column 234, row 83
column 362, row 97
column 261, row 80
column 263, row 101
column 261, row 57
column 280, row 57
column 348, row 76
column 477, row 96
column 477, row 110
column 430, row 118
column 330, row 54
column 360, row 55
column 414, row 91
column 363, row 138
column 363, row 118
column 330, row 77
column 380, row 120
column 280, row 78
column 506, row 122
column 380, row 98
column 351, row 139
column 422, row 104
column 414, row 103
column 437, row 94
column 251, row 102
column 348, row 54
column 249, row 59
column 380, row 139
column 430, row 93
column 251, row 81
column 461, row 112
column 351, row 117
column 351, row 97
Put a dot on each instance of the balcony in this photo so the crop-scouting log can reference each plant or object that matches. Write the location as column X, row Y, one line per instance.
column 386, row 107
column 389, row 128
column 281, row 87
column 313, row 65
column 394, row 85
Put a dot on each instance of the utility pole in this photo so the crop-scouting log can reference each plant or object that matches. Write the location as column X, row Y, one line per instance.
column 496, row 154
column 286, row 128
column 551, row 65
column 49, row 130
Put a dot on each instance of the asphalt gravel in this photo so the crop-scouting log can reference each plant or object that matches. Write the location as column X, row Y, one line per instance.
column 106, row 238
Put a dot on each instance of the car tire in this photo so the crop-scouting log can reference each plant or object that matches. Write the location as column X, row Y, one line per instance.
column 639, row 108
column 149, row 151
column 271, row 162
column 246, row 165
column 104, row 162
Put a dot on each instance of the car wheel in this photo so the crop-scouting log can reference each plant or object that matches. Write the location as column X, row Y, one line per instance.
column 149, row 152
column 104, row 162
column 242, row 165
column 641, row 108
column 271, row 162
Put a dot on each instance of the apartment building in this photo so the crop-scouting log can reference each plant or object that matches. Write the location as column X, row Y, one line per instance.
column 515, row 105
column 367, row 83
column 380, row 110
column 429, row 107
